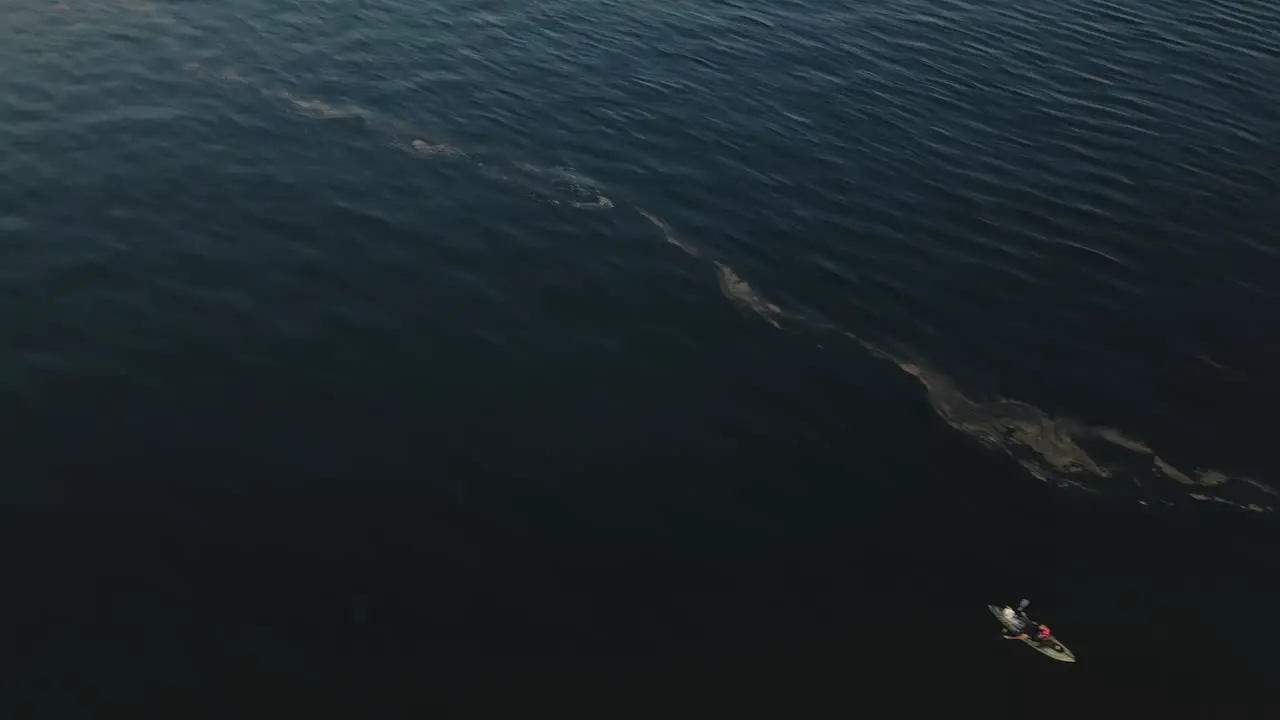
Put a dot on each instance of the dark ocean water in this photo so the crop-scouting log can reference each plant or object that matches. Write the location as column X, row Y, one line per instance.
column 682, row 359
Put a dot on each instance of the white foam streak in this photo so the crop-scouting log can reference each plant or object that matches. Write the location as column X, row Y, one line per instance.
column 1050, row 448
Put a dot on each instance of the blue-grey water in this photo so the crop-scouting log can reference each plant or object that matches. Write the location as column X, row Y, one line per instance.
column 692, row 358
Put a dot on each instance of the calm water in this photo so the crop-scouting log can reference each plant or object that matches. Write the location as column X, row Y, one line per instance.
column 631, row 358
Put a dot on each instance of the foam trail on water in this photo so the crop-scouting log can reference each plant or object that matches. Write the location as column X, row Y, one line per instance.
column 731, row 283
column 398, row 134
column 1059, row 449
column 1050, row 448
column 426, row 147
column 739, row 290
column 669, row 233
column 556, row 185
column 551, row 185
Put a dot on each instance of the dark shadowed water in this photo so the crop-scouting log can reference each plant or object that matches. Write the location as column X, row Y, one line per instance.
column 666, row 359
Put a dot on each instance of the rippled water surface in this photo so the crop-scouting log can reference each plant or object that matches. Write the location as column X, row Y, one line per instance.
column 364, row 337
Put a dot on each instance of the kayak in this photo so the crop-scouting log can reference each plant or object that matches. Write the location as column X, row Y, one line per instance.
column 1052, row 648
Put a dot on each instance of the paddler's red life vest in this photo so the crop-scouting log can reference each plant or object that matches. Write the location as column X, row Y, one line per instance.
column 1044, row 632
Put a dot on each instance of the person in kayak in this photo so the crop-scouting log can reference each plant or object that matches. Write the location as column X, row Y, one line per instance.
column 1018, row 618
